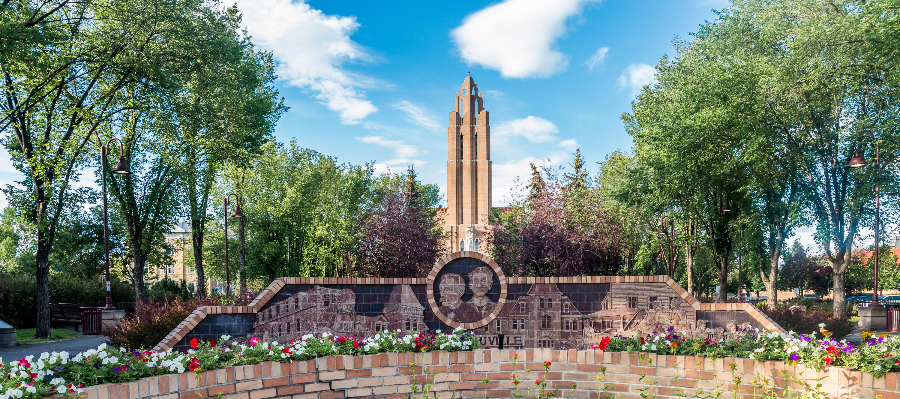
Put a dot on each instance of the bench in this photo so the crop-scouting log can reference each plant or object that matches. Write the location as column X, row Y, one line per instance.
column 66, row 314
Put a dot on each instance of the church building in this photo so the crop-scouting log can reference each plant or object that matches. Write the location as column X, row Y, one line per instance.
column 468, row 171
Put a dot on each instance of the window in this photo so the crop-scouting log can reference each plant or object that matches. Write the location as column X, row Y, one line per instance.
column 460, row 147
column 541, row 303
column 477, row 244
column 476, row 149
column 566, row 307
column 522, row 307
column 297, row 326
column 521, row 324
column 607, row 324
column 546, row 322
column 549, row 303
column 191, row 270
column 407, row 325
column 170, row 268
column 326, row 300
column 632, row 302
column 498, row 325
column 462, row 243
column 653, row 302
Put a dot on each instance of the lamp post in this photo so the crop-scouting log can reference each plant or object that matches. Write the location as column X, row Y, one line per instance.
column 237, row 214
column 855, row 162
column 726, row 208
column 121, row 167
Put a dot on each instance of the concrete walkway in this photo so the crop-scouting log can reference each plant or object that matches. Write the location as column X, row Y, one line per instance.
column 73, row 346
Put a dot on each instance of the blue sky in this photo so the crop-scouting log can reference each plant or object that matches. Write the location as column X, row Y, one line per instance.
column 375, row 81
column 370, row 81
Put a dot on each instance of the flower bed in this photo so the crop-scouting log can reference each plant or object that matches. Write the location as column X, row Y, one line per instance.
column 60, row 373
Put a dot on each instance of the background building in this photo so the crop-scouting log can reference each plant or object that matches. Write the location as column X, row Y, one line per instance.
column 468, row 171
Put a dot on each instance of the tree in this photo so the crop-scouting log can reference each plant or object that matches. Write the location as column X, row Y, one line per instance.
column 555, row 232
column 225, row 112
column 62, row 79
column 302, row 213
column 402, row 237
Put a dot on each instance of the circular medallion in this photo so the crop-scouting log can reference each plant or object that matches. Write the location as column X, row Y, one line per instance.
column 466, row 289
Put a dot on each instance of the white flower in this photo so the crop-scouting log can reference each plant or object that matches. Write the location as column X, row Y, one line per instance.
column 821, row 325
column 225, row 338
column 61, row 389
column 653, row 347
column 877, row 367
column 30, row 389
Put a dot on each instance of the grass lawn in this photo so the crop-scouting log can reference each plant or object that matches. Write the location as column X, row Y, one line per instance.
column 25, row 336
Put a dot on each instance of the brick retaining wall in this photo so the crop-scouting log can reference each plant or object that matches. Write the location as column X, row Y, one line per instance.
column 389, row 376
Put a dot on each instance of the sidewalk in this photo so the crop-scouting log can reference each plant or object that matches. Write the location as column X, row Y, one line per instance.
column 73, row 346
column 855, row 336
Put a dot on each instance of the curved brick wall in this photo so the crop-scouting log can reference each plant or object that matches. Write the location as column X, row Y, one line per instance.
column 389, row 376
column 584, row 293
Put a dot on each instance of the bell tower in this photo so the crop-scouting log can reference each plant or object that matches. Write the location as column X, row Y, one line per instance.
column 468, row 171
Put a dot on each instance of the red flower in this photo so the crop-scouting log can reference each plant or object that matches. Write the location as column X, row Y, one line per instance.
column 194, row 343
column 673, row 344
column 212, row 344
column 547, row 364
column 194, row 365
column 24, row 363
column 642, row 340
column 831, row 349
column 357, row 343
column 286, row 350
column 828, row 360
column 604, row 342
column 537, row 382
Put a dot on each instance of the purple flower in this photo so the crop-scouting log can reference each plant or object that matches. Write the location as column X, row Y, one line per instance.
column 794, row 357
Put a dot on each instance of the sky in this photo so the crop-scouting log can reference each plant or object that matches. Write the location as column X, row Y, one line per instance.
column 374, row 81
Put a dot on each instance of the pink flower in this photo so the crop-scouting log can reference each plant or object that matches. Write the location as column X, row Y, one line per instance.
column 24, row 363
column 254, row 341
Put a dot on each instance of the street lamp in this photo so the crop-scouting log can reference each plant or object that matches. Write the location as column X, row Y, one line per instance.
column 237, row 214
column 858, row 160
column 121, row 168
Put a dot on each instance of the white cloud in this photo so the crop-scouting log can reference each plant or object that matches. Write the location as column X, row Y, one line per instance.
column 403, row 154
column 511, row 177
column 532, row 128
column 516, row 37
column 310, row 48
column 418, row 115
column 568, row 145
column 636, row 76
column 597, row 58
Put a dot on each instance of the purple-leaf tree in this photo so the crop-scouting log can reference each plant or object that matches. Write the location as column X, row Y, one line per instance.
column 401, row 235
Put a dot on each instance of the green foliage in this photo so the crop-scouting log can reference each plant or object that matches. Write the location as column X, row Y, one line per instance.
column 298, row 199
column 17, row 299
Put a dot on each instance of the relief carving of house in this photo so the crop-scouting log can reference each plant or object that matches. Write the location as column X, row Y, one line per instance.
column 333, row 310
column 542, row 318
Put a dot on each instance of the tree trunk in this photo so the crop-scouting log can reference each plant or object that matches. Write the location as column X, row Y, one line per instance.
column 689, row 264
column 140, row 260
column 722, row 266
column 243, row 259
column 840, row 300
column 43, row 290
column 197, row 244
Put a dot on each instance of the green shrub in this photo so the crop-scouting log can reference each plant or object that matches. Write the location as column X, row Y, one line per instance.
column 152, row 321
column 17, row 301
column 18, row 298
column 807, row 322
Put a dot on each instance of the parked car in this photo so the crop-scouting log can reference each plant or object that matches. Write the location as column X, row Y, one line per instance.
column 812, row 296
column 890, row 299
column 859, row 299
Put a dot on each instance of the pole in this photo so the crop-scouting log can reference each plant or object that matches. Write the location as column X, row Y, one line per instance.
column 739, row 268
column 877, row 216
column 227, row 269
column 103, row 155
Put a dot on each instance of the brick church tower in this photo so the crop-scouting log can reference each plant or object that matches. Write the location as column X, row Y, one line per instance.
column 468, row 171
